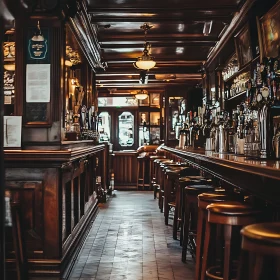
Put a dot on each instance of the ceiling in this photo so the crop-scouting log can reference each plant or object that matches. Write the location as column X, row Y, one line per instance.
column 179, row 44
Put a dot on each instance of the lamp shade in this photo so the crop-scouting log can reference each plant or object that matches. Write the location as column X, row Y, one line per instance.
column 141, row 95
column 144, row 64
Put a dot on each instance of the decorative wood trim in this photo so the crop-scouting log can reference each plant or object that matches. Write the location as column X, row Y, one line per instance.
column 57, row 70
column 86, row 36
column 58, row 156
column 236, row 22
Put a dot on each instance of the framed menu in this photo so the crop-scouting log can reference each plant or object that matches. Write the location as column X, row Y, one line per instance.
column 12, row 131
column 38, row 83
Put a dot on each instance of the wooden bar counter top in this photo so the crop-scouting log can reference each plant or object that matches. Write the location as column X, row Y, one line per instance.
column 257, row 176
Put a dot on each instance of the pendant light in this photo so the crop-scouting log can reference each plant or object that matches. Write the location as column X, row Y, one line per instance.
column 146, row 61
column 141, row 95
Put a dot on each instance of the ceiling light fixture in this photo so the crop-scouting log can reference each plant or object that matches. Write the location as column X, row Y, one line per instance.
column 141, row 95
column 207, row 28
column 146, row 61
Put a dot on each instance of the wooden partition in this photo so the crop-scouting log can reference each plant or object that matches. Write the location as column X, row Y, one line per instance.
column 125, row 169
column 57, row 193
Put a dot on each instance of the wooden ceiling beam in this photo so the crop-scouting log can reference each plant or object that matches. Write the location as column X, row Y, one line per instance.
column 107, row 20
column 159, row 70
column 157, row 44
column 134, row 37
column 200, row 8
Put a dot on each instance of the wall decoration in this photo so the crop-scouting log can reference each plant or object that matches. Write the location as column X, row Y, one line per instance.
column 269, row 32
column 38, row 44
column 155, row 99
column 243, row 46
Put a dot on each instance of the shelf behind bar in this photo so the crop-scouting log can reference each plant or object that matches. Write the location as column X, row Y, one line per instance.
column 237, row 95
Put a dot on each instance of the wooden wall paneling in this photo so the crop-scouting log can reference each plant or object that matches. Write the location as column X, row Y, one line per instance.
column 29, row 194
column 20, row 66
column 51, row 209
column 57, row 71
column 125, row 169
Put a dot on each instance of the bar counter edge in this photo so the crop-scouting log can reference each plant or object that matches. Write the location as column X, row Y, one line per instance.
column 260, row 177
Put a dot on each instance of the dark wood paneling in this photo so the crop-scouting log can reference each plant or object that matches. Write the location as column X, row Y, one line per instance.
column 125, row 169
column 57, row 196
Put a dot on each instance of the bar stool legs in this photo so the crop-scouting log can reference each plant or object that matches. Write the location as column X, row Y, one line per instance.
column 230, row 216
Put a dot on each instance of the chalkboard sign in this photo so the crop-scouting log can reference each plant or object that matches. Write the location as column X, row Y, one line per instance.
column 36, row 112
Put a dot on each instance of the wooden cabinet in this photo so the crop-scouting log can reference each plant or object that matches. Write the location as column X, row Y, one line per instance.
column 57, row 193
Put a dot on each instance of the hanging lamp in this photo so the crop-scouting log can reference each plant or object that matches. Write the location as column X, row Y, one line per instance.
column 146, row 61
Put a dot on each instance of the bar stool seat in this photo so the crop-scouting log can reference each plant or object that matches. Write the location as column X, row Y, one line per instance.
column 261, row 243
column 263, row 233
column 230, row 215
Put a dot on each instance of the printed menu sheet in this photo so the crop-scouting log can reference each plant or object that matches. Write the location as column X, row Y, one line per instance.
column 12, row 131
column 38, row 82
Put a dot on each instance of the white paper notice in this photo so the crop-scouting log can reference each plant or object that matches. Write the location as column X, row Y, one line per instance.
column 38, row 82
column 12, row 131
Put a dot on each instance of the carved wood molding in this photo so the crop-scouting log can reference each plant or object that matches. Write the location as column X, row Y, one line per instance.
column 86, row 35
column 49, row 156
column 236, row 22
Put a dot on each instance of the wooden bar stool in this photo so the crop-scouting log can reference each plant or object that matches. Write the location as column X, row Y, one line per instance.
column 204, row 200
column 152, row 169
column 190, row 213
column 231, row 216
column 161, row 180
column 179, row 208
column 141, row 163
column 173, row 173
column 260, row 255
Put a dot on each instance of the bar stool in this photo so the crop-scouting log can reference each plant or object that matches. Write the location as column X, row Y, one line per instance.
column 161, row 164
column 260, row 255
column 190, row 212
column 230, row 215
column 141, row 164
column 163, row 178
column 204, row 200
column 179, row 207
column 172, row 176
column 153, row 184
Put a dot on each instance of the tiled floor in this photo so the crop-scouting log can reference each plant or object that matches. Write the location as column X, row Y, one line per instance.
column 129, row 240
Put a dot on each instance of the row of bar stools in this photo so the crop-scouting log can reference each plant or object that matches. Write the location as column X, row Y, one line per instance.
column 172, row 176
column 229, row 216
column 153, row 181
column 190, row 212
column 260, row 256
column 204, row 200
column 180, row 210
column 160, row 179
column 164, row 179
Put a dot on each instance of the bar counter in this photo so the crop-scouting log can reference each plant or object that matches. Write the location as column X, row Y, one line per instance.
column 260, row 177
column 57, row 195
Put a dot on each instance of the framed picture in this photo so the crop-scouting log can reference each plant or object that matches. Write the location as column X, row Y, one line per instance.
column 268, row 32
column 155, row 99
column 243, row 46
column 144, row 102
